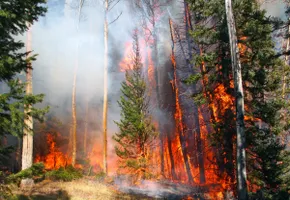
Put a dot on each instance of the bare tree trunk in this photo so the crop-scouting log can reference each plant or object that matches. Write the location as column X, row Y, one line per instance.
column 86, row 128
column 179, row 120
column 74, row 116
column 105, row 106
column 27, row 146
column 200, row 156
column 239, row 97
column 74, row 107
column 18, row 155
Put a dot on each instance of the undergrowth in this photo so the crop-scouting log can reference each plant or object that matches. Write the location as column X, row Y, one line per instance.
column 64, row 174
column 35, row 172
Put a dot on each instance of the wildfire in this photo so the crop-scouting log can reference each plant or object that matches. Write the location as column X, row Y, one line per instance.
column 127, row 61
column 223, row 99
column 125, row 64
column 55, row 158
column 95, row 157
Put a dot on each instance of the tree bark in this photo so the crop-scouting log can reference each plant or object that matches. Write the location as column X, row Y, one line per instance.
column 105, row 105
column 197, row 133
column 178, row 114
column 27, row 146
column 239, row 98
column 74, row 115
column 74, row 107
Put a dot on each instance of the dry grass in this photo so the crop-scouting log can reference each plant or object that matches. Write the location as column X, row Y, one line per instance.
column 83, row 189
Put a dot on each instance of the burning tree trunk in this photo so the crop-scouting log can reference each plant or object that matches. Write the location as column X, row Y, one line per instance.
column 188, row 27
column 27, row 146
column 156, row 77
column 105, row 106
column 178, row 112
column 239, row 97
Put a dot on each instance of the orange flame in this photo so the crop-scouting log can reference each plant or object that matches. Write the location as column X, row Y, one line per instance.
column 95, row 157
column 55, row 158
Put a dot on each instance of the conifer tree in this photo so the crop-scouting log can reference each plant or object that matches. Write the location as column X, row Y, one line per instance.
column 137, row 133
column 15, row 16
column 262, row 78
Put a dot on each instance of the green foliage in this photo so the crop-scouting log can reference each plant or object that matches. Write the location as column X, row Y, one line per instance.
column 64, row 174
column 137, row 132
column 264, row 194
column 4, row 154
column 193, row 79
column 14, row 19
column 100, row 176
column 35, row 171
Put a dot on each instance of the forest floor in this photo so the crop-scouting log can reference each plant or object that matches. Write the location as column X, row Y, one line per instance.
column 82, row 189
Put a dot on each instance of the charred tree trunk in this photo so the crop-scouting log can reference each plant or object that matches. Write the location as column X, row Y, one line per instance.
column 197, row 133
column 105, row 105
column 239, row 97
column 156, row 77
column 27, row 146
column 178, row 114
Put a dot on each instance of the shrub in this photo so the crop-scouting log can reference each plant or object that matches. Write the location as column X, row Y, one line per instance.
column 100, row 176
column 34, row 172
column 64, row 174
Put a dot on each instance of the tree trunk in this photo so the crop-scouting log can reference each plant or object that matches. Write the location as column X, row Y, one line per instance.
column 18, row 155
column 105, row 106
column 194, row 134
column 239, row 97
column 74, row 116
column 27, row 146
column 178, row 114
column 86, row 127
column 74, row 107
column 156, row 77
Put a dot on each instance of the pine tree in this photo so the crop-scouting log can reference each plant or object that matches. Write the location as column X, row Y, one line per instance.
column 137, row 133
column 15, row 16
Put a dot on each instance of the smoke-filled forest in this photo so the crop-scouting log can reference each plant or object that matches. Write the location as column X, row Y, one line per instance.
column 144, row 99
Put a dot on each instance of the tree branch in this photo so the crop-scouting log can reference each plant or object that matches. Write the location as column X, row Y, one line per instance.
column 116, row 18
